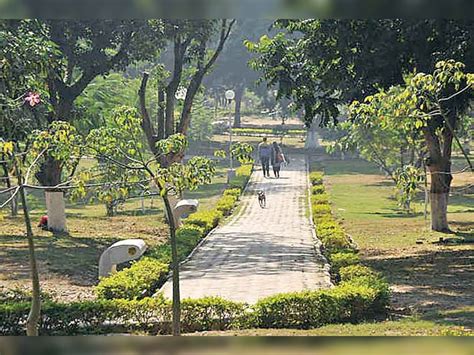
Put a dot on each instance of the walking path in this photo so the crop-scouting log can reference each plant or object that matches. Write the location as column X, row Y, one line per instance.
column 259, row 252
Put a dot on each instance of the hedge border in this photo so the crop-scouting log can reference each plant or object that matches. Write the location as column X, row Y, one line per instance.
column 318, row 245
column 154, row 286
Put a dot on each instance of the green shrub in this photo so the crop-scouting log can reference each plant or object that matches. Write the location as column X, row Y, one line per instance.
column 205, row 219
column 301, row 310
column 225, row 204
column 213, row 313
column 341, row 259
column 381, row 288
column 320, row 199
column 320, row 210
column 316, row 178
column 139, row 280
column 350, row 272
column 233, row 192
column 318, row 189
column 187, row 237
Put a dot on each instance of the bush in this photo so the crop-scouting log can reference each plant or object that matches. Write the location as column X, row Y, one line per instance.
column 321, row 210
column 139, row 280
column 350, row 272
column 316, row 178
column 341, row 259
column 213, row 313
column 233, row 192
column 320, row 199
column 300, row 310
column 204, row 219
column 187, row 237
column 242, row 175
column 226, row 203
column 318, row 189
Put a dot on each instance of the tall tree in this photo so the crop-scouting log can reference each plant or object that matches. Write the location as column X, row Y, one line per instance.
column 331, row 62
column 83, row 50
column 191, row 42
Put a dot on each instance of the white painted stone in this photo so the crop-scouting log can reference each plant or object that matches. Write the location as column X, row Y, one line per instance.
column 120, row 252
column 184, row 208
column 56, row 211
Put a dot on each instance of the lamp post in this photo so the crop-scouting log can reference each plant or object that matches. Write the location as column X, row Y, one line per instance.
column 230, row 95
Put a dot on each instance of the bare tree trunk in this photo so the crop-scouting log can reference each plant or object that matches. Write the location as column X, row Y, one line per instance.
column 176, row 322
column 14, row 201
column 239, row 93
column 34, row 315
column 160, row 134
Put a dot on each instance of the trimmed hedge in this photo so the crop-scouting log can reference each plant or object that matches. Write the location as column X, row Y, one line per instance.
column 361, row 292
column 358, row 299
column 226, row 204
column 108, row 316
column 139, row 280
column 207, row 220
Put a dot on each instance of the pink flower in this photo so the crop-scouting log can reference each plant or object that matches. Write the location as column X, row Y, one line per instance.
column 33, row 98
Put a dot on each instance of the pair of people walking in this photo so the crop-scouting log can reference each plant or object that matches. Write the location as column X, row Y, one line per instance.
column 270, row 154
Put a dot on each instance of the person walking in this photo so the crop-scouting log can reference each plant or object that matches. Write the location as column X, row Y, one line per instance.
column 277, row 158
column 264, row 154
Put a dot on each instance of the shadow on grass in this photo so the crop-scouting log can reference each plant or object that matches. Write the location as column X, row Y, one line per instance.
column 430, row 282
column 74, row 257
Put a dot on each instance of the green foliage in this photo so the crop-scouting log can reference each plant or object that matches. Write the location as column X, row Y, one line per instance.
column 187, row 237
column 407, row 179
column 353, row 271
column 318, row 189
column 233, row 192
column 139, row 280
column 320, row 199
column 226, row 203
column 213, row 313
column 205, row 219
column 201, row 128
column 268, row 131
column 342, row 259
column 316, row 178
column 351, row 301
column 242, row 176
column 60, row 141
column 242, row 152
column 356, row 300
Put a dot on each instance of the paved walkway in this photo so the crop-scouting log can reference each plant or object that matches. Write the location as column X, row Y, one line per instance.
column 259, row 252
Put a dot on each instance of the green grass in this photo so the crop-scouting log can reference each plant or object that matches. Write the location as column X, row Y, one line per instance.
column 386, row 328
column 73, row 259
column 429, row 279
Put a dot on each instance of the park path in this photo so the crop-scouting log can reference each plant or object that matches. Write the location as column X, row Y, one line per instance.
column 259, row 252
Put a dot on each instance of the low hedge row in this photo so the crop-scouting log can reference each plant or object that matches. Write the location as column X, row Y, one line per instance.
column 355, row 299
column 147, row 275
column 108, row 316
column 344, row 259
column 268, row 131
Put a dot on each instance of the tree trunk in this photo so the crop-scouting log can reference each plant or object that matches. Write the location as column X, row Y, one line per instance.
column 239, row 93
column 176, row 322
column 50, row 175
column 34, row 315
column 160, row 134
column 439, row 193
column 14, row 201
column 439, row 212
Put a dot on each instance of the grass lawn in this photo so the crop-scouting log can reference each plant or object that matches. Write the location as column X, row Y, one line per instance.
column 69, row 264
column 405, row 327
column 431, row 280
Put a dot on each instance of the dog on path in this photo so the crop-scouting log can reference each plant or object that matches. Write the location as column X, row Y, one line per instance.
column 262, row 199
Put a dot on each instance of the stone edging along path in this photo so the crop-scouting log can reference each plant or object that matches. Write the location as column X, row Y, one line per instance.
column 260, row 252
